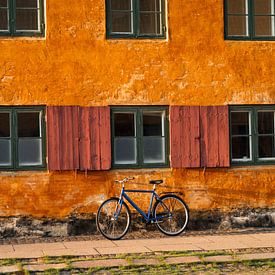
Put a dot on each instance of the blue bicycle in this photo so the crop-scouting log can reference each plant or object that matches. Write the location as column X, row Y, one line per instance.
column 169, row 212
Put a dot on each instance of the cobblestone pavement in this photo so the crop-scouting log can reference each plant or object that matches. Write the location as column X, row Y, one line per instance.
column 101, row 254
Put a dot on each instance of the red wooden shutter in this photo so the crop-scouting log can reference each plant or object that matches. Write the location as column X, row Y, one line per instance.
column 78, row 138
column 199, row 136
column 95, row 138
column 214, row 129
column 185, row 132
column 84, row 138
column 53, row 138
column 62, row 134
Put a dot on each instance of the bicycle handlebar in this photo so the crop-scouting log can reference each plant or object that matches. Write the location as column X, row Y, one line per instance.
column 124, row 180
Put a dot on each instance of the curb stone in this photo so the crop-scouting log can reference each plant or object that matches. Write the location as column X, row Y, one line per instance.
column 110, row 263
column 44, row 267
column 9, row 269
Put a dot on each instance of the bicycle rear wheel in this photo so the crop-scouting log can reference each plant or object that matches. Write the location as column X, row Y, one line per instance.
column 171, row 214
column 113, row 220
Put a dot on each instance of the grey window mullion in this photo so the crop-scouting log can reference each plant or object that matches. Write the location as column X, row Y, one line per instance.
column 11, row 4
column 251, row 26
column 136, row 17
column 139, row 129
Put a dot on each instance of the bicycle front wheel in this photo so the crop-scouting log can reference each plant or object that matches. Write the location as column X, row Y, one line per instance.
column 113, row 219
column 171, row 215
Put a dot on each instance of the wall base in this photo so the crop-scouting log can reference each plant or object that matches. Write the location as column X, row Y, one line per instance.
column 84, row 224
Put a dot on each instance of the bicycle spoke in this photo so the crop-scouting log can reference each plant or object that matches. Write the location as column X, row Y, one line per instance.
column 113, row 219
column 173, row 213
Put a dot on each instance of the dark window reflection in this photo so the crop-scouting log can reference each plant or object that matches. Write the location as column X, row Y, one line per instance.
column 237, row 25
column 266, row 147
column 266, row 122
column 237, row 6
column 262, row 6
column 3, row 3
column 121, row 22
column 3, row 19
column 4, row 125
column 240, row 123
column 26, row 4
column 149, row 5
column 124, row 124
column 121, row 4
column 152, row 124
column 240, row 147
column 28, row 124
column 26, row 19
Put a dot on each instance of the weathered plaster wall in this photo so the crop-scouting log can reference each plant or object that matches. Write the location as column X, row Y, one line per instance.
column 195, row 65
column 44, row 194
column 76, row 65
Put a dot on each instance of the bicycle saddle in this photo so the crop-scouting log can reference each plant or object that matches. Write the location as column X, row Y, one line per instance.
column 156, row 181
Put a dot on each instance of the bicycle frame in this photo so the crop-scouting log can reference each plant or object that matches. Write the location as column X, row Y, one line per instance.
column 147, row 216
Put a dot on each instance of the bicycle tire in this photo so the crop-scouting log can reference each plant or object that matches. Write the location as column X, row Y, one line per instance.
column 171, row 214
column 111, row 227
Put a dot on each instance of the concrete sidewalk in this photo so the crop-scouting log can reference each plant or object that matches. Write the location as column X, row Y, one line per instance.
column 106, row 247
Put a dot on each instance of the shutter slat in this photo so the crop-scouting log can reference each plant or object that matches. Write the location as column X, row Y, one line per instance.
column 194, row 152
column 224, row 147
column 85, row 140
column 53, row 138
column 175, row 137
column 76, row 124
column 105, row 138
column 203, row 136
column 213, row 137
column 199, row 136
column 95, row 138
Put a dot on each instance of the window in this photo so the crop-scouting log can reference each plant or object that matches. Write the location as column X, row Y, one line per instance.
column 135, row 18
column 253, row 134
column 21, row 18
column 140, row 137
column 250, row 19
column 22, row 138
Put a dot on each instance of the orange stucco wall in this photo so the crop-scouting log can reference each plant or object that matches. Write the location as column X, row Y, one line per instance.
column 75, row 65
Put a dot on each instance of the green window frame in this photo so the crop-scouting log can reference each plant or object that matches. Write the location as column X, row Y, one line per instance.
column 140, row 137
column 22, row 138
column 22, row 18
column 133, row 19
column 249, row 19
column 252, row 134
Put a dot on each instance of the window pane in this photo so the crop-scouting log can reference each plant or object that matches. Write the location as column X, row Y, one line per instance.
column 237, row 6
column 27, row 3
column 3, row 19
column 240, row 123
column 154, row 150
column 5, row 149
column 263, row 6
column 121, row 4
column 241, row 148
column 28, row 124
column 122, row 22
column 29, row 152
column 152, row 124
column 264, row 25
column 26, row 19
column 150, row 5
column 125, row 150
column 4, row 125
column 124, row 124
column 3, row 3
column 237, row 25
column 266, row 122
column 150, row 23
column 266, row 147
